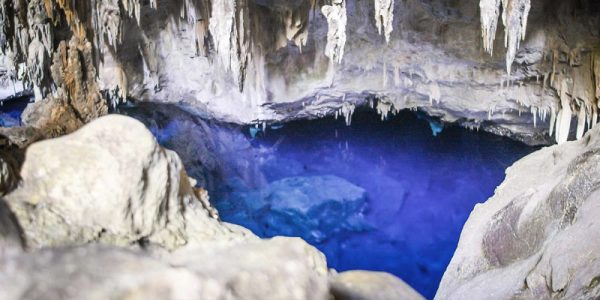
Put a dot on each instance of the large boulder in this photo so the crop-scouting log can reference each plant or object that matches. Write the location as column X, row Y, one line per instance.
column 274, row 269
column 538, row 237
column 111, row 182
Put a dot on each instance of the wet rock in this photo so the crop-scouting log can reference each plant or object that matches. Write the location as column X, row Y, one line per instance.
column 111, row 182
column 363, row 285
column 293, row 206
column 538, row 236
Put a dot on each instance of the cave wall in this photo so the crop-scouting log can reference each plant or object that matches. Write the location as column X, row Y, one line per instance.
column 264, row 61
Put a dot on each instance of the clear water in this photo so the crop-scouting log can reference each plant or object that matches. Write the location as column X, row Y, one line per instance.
column 420, row 189
column 384, row 196
column 11, row 110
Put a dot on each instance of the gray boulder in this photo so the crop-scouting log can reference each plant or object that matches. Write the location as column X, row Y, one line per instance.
column 538, row 237
column 274, row 269
column 111, row 182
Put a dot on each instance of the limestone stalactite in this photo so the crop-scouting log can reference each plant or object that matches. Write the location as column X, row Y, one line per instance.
column 384, row 17
column 336, row 34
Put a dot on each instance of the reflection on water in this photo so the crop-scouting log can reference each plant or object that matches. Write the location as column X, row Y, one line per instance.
column 387, row 196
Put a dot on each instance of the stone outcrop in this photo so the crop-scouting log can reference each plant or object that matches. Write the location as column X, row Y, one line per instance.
column 537, row 237
column 275, row 269
column 111, row 182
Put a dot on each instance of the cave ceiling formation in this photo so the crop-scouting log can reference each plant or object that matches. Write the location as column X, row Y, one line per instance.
column 263, row 61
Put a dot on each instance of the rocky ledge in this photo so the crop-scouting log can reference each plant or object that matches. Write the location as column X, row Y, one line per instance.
column 538, row 237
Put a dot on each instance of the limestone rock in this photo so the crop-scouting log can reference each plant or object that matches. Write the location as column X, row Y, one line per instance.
column 275, row 269
column 363, row 285
column 111, row 182
column 245, row 76
column 538, row 237
column 9, row 176
column 10, row 232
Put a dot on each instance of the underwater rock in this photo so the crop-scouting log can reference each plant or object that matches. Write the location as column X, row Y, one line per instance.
column 363, row 285
column 274, row 269
column 111, row 182
column 538, row 237
column 293, row 206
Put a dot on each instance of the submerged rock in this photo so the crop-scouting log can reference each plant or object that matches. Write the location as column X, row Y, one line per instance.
column 110, row 182
column 312, row 207
column 538, row 237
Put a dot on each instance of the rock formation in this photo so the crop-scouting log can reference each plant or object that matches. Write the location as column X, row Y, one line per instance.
column 276, row 269
column 316, row 57
column 537, row 237
column 137, row 192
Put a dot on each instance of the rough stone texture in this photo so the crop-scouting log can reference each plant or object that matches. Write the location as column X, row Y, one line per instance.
column 434, row 60
column 111, row 182
column 10, row 232
column 274, row 269
column 9, row 173
column 538, row 237
column 363, row 285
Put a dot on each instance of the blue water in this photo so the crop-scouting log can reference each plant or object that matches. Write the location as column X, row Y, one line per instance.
column 421, row 184
column 11, row 110
column 385, row 196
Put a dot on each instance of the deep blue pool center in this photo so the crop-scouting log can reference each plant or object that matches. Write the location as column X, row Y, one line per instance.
column 378, row 195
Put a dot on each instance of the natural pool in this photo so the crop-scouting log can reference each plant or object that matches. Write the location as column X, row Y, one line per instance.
column 385, row 196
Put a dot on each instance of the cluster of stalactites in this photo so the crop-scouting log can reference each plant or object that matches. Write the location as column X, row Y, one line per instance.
column 229, row 28
column 27, row 32
column 578, row 87
column 336, row 33
column 514, row 19
column 26, row 37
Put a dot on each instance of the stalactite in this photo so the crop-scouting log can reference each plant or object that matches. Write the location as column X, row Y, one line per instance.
column 295, row 25
column 563, row 122
column 347, row 110
column 336, row 33
column 229, row 28
column 434, row 93
column 384, row 17
column 489, row 12
column 514, row 19
column 580, row 122
column 383, row 109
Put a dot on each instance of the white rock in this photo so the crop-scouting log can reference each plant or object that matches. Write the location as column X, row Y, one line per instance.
column 111, row 182
column 538, row 236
